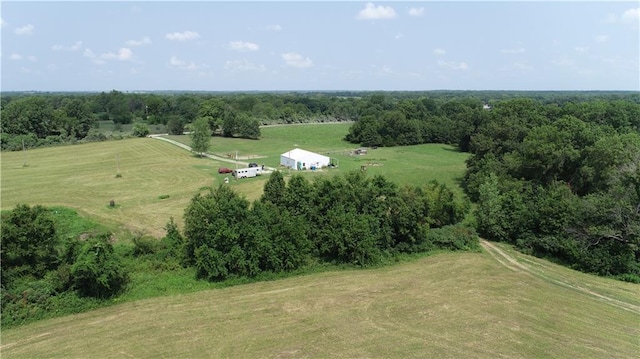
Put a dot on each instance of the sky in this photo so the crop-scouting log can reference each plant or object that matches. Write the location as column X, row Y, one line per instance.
column 319, row 46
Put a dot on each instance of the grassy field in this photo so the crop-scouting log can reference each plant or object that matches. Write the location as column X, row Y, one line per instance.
column 498, row 303
column 84, row 176
column 403, row 165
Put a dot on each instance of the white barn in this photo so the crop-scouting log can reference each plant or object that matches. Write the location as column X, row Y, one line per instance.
column 299, row 159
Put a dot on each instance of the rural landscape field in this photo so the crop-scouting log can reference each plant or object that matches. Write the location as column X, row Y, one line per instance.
column 85, row 176
column 320, row 179
column 492, row 303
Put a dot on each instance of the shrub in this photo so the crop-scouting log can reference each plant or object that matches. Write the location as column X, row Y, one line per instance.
column 454, row 237
column 95, row 135
column 144, row 245
column 140, row 130
column 97, row 271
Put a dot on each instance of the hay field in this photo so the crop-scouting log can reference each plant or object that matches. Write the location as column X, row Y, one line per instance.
column 498, row 303
column 84, row 177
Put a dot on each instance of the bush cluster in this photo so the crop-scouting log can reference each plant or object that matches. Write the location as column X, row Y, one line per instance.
column 349, row 219
column 42, row 271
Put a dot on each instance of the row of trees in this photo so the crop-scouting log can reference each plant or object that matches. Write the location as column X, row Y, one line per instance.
column 415, row 121
column 388, row 119
column 349, row 219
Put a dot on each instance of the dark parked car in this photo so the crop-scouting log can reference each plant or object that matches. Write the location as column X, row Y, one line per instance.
column 224, row 170
column 253, row 164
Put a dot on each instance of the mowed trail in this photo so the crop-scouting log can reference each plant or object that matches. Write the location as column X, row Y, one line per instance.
column 512, row 263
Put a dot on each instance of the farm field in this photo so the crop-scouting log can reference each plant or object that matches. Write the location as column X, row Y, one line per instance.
column 498, row 303
column 83, row 177
column 402, row 164
column 159, row 179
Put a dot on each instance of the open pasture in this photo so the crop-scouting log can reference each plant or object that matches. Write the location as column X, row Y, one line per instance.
column 159, row 179
column 498, row 303
column 84, row 177
column 404, row 165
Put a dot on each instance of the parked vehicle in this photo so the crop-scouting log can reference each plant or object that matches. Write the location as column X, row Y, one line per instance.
column 225, row 170
column 253, row 164
column 247, row 172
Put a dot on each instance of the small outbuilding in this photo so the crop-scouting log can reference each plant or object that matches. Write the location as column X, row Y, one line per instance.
column 299, row 159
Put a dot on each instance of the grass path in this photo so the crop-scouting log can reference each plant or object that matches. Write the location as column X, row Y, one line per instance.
column 544, row 272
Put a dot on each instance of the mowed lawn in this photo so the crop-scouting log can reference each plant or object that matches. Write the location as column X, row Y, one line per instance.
column 451, row 305
column 84, row 176
column 413, row 165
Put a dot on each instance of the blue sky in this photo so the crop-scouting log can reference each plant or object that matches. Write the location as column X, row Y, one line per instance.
column 272, row 46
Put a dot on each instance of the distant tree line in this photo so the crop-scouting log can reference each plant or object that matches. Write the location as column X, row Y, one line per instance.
column 382, row 118
column 351, row 219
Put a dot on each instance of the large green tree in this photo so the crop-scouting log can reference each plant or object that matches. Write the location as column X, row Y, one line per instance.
column 200, row 136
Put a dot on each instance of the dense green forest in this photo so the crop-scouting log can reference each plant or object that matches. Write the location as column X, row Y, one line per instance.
column 558, row 177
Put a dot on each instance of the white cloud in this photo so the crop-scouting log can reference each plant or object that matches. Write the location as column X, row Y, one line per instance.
column 399, row 36
column 3, row 23
column 522, row 66
column 439, row 52
column 416, row 11
column 122, row 54
column 563, row 61
column 91, row 55
column 581, row 49
column 144, row 41
column 25, row 30
column 274, row 28
column 175, row 61
column 243, row 46
column 372, row 12
column 243, row 65
column 296, row 60
column 182, row 36
column 19, row 57
column 601, row 38
column 74, row 47
column 517, row 50
column 631, row 15
column 88, row 53
column 182, row 64
column 610, row 19
column 453, row 65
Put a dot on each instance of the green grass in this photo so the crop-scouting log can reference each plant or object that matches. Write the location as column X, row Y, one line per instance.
column 451, row 305
column 83, row 177
column 498, row 303
column 404, row 165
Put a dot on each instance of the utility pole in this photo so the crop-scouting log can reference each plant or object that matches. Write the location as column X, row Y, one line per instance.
column 24, row 152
